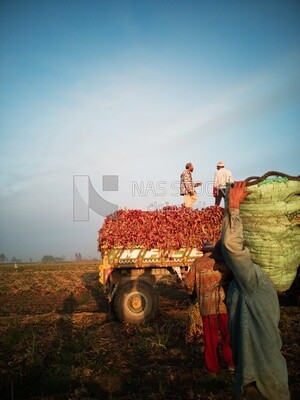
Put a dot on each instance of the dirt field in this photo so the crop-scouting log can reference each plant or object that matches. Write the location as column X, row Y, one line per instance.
column 59, row 341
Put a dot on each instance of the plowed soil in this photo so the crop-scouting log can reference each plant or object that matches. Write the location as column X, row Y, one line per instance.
column 59, row 340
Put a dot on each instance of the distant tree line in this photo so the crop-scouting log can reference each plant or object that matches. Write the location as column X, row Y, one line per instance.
column 4, row 259
column 15, row 260
column 53, row 259
column 46, row 258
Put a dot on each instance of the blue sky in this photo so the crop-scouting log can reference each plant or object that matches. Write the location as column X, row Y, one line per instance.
column 136, row 89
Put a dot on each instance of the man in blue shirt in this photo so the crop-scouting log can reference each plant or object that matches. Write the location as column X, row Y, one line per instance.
column 254, row 313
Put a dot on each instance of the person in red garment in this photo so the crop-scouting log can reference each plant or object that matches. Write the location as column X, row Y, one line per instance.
column 204, row 282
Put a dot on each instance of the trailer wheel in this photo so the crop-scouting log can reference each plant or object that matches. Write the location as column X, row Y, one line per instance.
column 135, row 302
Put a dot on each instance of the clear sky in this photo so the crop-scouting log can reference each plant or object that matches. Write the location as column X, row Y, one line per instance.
column 136, row 89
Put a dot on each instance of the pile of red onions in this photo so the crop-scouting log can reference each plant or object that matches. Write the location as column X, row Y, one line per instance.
column 171, row 227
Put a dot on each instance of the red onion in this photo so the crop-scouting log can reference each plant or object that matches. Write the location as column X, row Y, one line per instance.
column 169, row 228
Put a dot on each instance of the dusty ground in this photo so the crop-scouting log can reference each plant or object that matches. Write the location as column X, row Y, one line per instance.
column 59, row 341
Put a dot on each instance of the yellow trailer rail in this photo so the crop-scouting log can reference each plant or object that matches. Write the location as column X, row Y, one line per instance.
column 139, row 257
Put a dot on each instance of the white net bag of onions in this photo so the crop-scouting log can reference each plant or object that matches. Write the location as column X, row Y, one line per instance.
column 271, row 219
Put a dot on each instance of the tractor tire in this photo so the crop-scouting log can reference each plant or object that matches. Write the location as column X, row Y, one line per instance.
column 135, row 302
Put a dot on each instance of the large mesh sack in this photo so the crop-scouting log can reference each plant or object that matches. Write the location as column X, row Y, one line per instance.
column 271, row 219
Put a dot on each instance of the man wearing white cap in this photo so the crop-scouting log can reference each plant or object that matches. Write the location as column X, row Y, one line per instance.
column 222, row 177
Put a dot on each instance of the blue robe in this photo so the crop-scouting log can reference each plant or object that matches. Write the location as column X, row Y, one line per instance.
column 254, row 314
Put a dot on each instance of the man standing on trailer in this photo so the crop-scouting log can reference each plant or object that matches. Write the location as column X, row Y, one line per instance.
column 187, row 186
column 222, row 177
